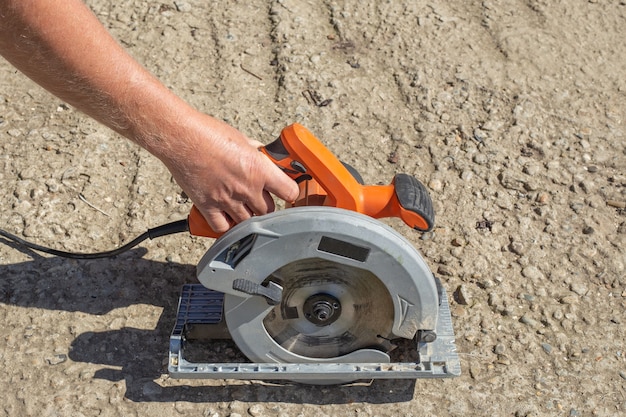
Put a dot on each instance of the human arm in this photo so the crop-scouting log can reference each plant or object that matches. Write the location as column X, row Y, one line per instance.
column 61, row 45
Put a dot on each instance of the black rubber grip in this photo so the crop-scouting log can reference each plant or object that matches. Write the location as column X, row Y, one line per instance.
column 414, row 197
column 277, row 150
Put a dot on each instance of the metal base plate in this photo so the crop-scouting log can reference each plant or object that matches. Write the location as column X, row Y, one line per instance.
column 201, row 308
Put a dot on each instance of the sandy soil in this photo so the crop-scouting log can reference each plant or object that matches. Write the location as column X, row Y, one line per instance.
column 511, row 111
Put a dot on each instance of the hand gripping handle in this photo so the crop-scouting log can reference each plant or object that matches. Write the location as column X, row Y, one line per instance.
column 326, row 181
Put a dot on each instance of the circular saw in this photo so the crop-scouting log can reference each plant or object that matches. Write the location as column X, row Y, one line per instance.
column 321, row 292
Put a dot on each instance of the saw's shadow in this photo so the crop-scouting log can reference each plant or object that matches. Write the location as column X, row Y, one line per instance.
column 138, row 356
column 142, row 364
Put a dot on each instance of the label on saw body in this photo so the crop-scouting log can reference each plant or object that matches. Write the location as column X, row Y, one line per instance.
column 345, row 249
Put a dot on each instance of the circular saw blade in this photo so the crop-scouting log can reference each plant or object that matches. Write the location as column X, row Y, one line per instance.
column 329, row 310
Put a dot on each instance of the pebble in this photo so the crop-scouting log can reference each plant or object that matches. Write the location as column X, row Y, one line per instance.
column 480, row 135
column 568, row 299
column 475, row 371
column 499, row 349
column 491, row 125
column 458, row 242
column 546, row 348
column 542, row 197
column 517, row 248
column 182, row 6
column 462, row 295
column 56, row 359
column 622, row 374
column 256, row 410
column 532, row 272
column 588, row 230
column 435, row 185
column 532, row 169
column 616, row 204
column 445, row 271
column 480, row 159
column 579, row 288
column 529, row 321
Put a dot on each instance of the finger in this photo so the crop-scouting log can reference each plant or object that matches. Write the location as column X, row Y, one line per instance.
column 269, row 202
column 239, row 212
column 262, row 205
column 281, row 185
column 219, row 221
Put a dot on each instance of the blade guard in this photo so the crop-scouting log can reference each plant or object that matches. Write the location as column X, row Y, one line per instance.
column 325, row 181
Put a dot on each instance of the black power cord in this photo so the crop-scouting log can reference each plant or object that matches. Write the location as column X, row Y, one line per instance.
column 163, row 230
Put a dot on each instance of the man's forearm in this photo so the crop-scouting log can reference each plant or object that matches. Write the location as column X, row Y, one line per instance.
column 62, row 46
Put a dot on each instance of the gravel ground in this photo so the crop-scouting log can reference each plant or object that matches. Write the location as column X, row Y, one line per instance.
column 511, row 111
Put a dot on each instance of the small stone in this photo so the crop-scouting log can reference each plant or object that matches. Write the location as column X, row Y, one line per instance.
column 503, row 360
column 546, row 348
column 622, row 374
column 517, row 248
column 462, row 296
column 458, row 242
column 56, row 359
column 568, row 299
column 616, row 204
column 256, row 410
column 532, row 272
column 579, row 288
column 435, row 185
column 475, row 371
column 480, row 135
column 499, row 349
column 491, row 125
column 588, row 230
column 531, row 169
column 543, row 197
column 182, row 6
column 445, row 271
column 480, row 159
column 529, row 321
column 457, row 311
column 592, row 168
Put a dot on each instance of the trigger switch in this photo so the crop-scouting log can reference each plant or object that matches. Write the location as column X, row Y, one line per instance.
column 298, row 167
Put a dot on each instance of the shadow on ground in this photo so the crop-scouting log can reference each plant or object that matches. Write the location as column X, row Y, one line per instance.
column 137, row 356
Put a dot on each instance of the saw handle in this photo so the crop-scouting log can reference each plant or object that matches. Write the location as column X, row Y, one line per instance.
column 325, row 180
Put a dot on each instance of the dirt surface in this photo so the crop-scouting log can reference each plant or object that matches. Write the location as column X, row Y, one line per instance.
column 512, row 112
